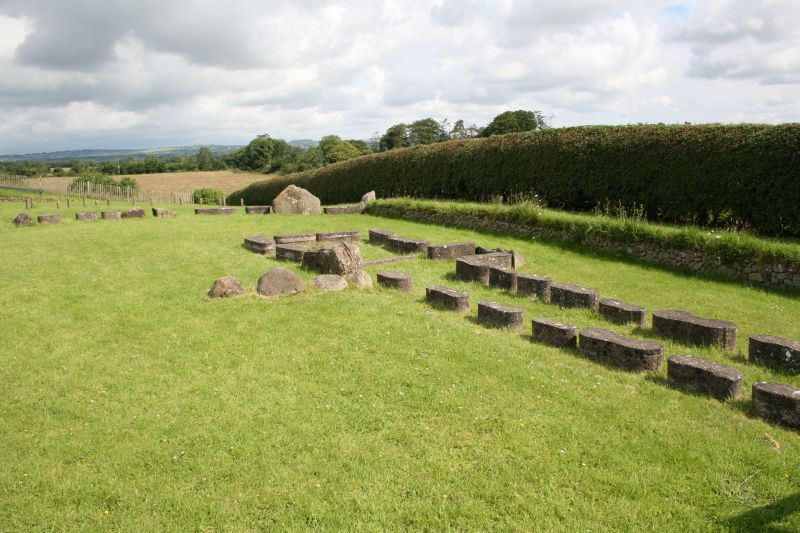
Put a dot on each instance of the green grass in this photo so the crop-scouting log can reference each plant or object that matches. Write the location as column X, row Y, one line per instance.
column 130, row 401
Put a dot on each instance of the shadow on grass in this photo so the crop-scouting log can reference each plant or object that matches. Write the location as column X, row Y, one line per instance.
column 766, row 518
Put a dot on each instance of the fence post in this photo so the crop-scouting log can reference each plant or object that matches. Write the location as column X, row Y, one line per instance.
column 223, row 202
column 241, row 202
column 67, row 203
column 180, row 200
column 95, row 202
column 108, row 201
column 201, row 202
column 58, row 205
column 84, row 202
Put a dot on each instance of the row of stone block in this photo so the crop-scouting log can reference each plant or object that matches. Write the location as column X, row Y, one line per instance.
column 306, row 238
column 137, row 212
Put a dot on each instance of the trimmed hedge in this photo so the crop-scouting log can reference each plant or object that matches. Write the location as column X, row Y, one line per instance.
column 729, row 176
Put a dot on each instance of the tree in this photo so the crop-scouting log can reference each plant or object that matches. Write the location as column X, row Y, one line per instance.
column 205, row 159
column 153, row 165
column 342, row 152
column 515, row 121
column 329, row 141
column 426, row 131
column 395, row 137
column 362, row 146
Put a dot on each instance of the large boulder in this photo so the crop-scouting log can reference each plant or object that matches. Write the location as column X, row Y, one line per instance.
column 359, row 279
column 23, row 219
column 339, row 258
column 226, row 287
column 329, row 282
column 279, row 282
column 367, row 198
column 294, row 200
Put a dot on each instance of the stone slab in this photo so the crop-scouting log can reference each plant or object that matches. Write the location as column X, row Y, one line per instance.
column 554, row 333
column 260, row 244
column 776, row 352
column 395, row 280
column 476, row 267
column 407, row 246
column 49, row 219
column 634, row 355
column 777, row 402
column 389, row 260
column 381, row 236
column 257, row 209
column 214, row 211
column 353, row 236
column 352, row 209
column 622, row 313
column 533, row 285
column 690, row 329
column 503, row 278
column 111, row 215
column 295, row 238
column 516, row 258
column 698, row 375
column 447, row 298
column 88, row 215
column 568, row 295
column 160, row 212
column 497, row 315
column 135, row 212
column 290, row 252
column 451, row 250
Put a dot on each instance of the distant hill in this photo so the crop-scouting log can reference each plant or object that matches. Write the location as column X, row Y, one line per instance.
column 110, row 155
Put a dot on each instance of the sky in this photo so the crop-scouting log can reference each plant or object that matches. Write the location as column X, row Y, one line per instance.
column 134, row 74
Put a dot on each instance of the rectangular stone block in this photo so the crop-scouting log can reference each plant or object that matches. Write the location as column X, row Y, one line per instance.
column 554, row 333
column 407, row 246
column 159, row 212
column 497, row 315
column 634, row 355
column 295, row 238
column 89, row 215
column 257, row 209
column 622, row 313
column 775, row 352
column 567, row 295
column 500, row 259
column 214, row 211
column 260, row 244
column 503, row 278
column 690, row 329
column 49, row 219
column 447, row 298
column 380, row 237
column 389, row 260
column 136, row 212
column 111, row 215
column 396, row 280
column 352, row 209
column 451, row 250
column 290, row 252
column 704, row 377
column 476, row 267
column 352, row 236
column 777, row 403
column 533, row 285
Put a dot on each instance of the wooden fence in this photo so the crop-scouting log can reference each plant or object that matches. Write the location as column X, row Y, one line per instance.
column 66, row 187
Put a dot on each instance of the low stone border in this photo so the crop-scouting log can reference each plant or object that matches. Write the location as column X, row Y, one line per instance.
column 533, row 285
column 704, row 377
column 554, row 333
column 159, row 212
column 634, row 355
column 89, row 215
column 381, row 236
column 447, row 298
column 476, row 267
column 260, row 244
column 567, row 295
column 622, row 313
column 295, row 238
column 214, row 211
column 777, row 403
column 257, row 209
column 389, row 260
column 775, row 351
column 407, row 246
column 339, row 236
column 49, row 219
column 497, row 315
column 395, row 280
column 111, row 215
column 136, row 212
column 688, row 328
column 290, row 252
column 351, row 209
column 503, row 278
column 451, row 250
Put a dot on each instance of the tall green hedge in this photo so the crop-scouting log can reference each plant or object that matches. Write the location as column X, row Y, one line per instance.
column 739, row 175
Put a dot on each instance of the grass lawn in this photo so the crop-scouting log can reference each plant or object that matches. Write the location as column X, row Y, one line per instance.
column 130, row 401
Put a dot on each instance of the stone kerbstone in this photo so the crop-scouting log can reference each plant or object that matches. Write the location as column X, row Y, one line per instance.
column 329, row 282
column 395, row 280
column 111, row 215
column 339, row 236
column 279, row 282
column 698, row 375
column 503, row 278
column 390, row 260
column 407, row 246
column 260, row 244
column 134, row 212
column 337, row 257
column 381, row 236
column 516, row 258
column 497, row 315
column 554, row 333
column 23, row 219
column 290, row 252
column 690, row 329
column 448, row 298
column 476, row 267
column 89, row 215
column 49, row 219
column 533, row 285
column 296, row 238
column 294, row 200
column 226, row 287
column 360, row 279
column 160, row 212
column 567, row 295
column 777, row 402
column 634, row 355
column 622, row 313
column 368, row 197
column 351, row 209
column 776, row 352
column 257, row 210
column 214, row 211
column 451, row 250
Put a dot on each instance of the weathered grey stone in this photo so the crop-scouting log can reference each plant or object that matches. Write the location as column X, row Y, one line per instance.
column 339, row 257
column 395, row 280
column 554, row 333
column 634, row 355
column 390, row 260
column 381, row 237
column 111, row 215
column 622, row 313
column 257, row 210
column 351, row 209
column 278, row 282
column 451, row 250
column 339, row 236
column 260, row 244
column 290, row 252
column 497, row 315
column 476, row 267
column 360, row 279
column 503, row 278
column 134, row 212
column 533, row 285
column 23, row 219
column 516, row 258
column 407, row 246
column 777, row 402
column 294, row 200
column 49, row 219
column 296, row 238
column 567, row 295
column 88, row 215
column 447, row 298
column 329, row 282
column 226, row 287
column 776, row 352
column 688, row 328
column 368, row 197
column 214, row 211
column 160, row 212
column 704, row 377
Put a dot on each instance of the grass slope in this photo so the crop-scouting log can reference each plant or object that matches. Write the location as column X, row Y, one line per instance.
column 130, row 401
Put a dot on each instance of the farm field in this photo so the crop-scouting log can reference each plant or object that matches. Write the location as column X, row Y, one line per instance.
column 225, row 180
column 131, row 401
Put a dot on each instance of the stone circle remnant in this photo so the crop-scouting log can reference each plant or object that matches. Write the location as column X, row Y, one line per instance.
column 226, row 287
column 634, row 355
column 257, row 210
column 567, row 295
column 381, row 237
column 260, row 244
column 688, row 328
column 110, row 215
column 497, row 315
column 395, row 280
column 48, row 219
column 336, row 257
column 329, row 282
column 622, row 313
column 23, row 219
column 160, row 212
column 447, row 298
column 88, row 215
column 294, row 200
column 214, row 211
column 776, row 352
column 279, row 281
column 451, row 250
column 533, row 285
column 777, row 402
column 698, row 375
column 554, row 333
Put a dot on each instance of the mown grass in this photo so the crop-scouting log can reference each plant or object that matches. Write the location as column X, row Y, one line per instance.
column 131, row 401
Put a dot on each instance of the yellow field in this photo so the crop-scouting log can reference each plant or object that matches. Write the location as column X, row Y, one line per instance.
column 225, row 180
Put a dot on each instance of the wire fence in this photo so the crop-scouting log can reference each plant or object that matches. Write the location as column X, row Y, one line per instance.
column 67, row 187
